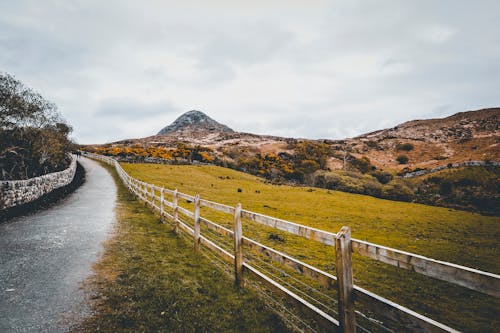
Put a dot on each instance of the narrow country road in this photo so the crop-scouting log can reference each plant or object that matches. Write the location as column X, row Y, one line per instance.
column 44, row 257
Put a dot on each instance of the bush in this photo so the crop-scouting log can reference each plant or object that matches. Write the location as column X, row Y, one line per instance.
column 308, row 166
column 372, row 188
column 404, row 146
column 445, row 187
column 402, row 159
column 362, row 164
column 320, row 180
column 352, row 182
column 372, row 144
column 397, row 191
column 383, row 177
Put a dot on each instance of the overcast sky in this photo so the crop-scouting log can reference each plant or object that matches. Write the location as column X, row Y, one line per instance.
column 315, row 69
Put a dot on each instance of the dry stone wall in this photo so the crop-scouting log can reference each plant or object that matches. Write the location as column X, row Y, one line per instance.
column 19, row 192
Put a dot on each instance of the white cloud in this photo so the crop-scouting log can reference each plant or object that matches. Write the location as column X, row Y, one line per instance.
column 319, row 69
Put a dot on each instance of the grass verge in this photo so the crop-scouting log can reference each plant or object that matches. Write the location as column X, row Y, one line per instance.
column 150, row 280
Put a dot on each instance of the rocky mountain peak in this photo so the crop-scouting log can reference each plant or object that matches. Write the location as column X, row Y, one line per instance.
column 196, row 121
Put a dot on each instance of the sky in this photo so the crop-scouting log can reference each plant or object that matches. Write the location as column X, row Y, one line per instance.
column 314, row 69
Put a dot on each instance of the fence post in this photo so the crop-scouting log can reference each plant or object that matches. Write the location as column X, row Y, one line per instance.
column 176, row 212
column 343, row 252
column 162, row 196
column 197, row 223
column 148, row 192
column 238, row 248
column 152, row 195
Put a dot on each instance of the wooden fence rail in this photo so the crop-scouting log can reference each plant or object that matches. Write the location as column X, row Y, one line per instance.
column 348, row 293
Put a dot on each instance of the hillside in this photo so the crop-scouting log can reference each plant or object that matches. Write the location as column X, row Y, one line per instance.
column 376, row 163
column 465, row 136
column 472, row 135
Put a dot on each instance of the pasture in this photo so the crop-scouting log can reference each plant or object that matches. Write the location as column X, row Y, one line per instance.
column 460, row 237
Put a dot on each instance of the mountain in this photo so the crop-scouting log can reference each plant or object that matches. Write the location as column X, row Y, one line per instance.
column 424, row 144
column 195, row 121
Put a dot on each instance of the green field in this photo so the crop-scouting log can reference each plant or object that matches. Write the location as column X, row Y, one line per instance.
column 460, row 237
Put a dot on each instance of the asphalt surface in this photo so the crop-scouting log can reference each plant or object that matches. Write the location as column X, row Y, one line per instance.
column 45, row 257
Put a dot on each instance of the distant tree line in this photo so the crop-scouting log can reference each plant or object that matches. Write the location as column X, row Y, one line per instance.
column 33, row 136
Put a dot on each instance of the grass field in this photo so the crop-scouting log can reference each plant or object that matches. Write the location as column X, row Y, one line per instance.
column 460, row 237
column 150, row 280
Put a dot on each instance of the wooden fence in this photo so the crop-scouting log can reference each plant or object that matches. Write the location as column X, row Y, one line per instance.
column 349, row 295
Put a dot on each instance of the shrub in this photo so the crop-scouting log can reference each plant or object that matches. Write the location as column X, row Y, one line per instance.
column 320, row 180
column 308, row 166
column 372, row 144
column 353, row 182
column 397, row 191
column 402, row 159
column 445, row 187
column 404, row 146
column 383, row 177
column 362, row 164
column 372, row 188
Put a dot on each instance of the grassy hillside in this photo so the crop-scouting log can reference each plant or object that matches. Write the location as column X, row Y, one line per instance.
column 460, row 237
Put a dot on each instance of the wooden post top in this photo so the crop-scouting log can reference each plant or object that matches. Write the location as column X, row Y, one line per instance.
column 345, row 232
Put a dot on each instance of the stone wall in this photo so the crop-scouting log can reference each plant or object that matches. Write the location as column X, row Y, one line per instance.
column 19, row 192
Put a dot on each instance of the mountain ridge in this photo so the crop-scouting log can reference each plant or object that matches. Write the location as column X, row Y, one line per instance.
column 471, row 122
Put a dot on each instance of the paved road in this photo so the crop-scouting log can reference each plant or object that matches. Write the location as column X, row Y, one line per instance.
column 45, row 256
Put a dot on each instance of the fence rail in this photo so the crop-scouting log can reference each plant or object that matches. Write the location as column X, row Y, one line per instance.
column 394, row 315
